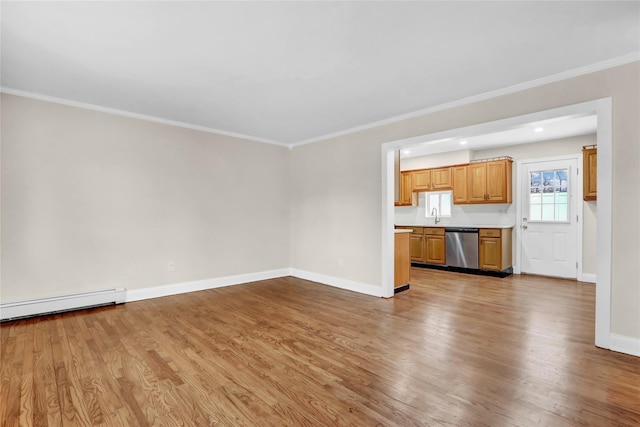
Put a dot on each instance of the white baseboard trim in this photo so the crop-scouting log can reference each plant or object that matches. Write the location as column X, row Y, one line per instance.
column 62, row 303
column 589, row 278
column 337, row 282
column 624, row 344
column 201, row 285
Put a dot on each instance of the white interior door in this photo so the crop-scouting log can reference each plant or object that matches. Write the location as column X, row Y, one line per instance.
column 549, row 218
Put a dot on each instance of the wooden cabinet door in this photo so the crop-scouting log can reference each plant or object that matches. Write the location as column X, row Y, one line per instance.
column 498, row 185
column 476, row 182
column 416, row 247
column 590, row 173
column 402, row 264
column 434, row 248
column 441, row 179
column 490, row 253
column 421, row 180
column 459, row 184
column 406, row 194
column 489, row 182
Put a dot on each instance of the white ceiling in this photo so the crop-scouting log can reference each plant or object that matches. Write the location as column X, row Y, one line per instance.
column 291, row 72
column 544, row 130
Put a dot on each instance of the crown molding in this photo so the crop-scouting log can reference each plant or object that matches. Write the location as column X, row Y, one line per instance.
column 129, row 114
column 599, row 66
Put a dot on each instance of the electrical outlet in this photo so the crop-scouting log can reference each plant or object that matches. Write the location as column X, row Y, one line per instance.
column 171, row 266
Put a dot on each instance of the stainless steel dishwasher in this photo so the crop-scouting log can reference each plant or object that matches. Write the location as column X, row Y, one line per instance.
column 462, row 247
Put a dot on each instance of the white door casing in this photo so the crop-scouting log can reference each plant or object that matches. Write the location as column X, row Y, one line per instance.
column 549, row 217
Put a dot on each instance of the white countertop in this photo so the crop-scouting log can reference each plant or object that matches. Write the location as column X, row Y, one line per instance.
column 405, row 230
column 457, row 225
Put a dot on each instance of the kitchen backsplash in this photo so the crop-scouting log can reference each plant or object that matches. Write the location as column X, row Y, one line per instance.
column 461, row 215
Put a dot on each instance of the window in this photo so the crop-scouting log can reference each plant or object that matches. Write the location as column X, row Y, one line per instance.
column 548, row 195
column 439, row 200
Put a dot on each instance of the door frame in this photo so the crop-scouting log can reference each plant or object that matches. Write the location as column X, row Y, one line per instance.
column 576, row 207
column 602, row 108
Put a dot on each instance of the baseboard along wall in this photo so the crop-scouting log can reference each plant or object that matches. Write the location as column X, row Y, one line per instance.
column 23, row 309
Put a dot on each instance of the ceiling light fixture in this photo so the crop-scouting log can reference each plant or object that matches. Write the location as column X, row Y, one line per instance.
column 406, row 152
column 463, row 142
column 538, row 130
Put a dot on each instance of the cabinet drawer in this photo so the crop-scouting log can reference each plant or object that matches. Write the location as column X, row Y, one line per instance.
column 434, row 230
column 490, row 232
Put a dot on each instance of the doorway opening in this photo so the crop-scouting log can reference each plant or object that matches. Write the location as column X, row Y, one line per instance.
column 441, row 142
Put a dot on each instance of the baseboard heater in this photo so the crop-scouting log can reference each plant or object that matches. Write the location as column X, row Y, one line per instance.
column 39, row 307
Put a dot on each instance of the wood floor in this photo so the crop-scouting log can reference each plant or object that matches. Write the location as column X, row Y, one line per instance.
column 455, row 350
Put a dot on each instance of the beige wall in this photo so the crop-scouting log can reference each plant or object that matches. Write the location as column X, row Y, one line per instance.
column 336, row 209
column 93, row 200
column 536, row 150
column 436, row 160
column 589, row 228
column 336, row 193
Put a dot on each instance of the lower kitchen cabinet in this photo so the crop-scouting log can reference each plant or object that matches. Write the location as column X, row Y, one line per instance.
column 402, row 264
column 416, row 246
column 434, row 246
column 426, row 244
column 495, row 249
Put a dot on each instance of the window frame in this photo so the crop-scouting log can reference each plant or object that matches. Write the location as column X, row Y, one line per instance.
column 429, row 208
column 567, row 204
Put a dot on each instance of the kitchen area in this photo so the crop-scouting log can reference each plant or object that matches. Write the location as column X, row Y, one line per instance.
column 444, row 210
column 460, row 208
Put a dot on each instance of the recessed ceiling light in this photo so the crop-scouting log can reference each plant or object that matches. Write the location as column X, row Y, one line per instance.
column 406, row 152
column 538, row 130
column 463, row 142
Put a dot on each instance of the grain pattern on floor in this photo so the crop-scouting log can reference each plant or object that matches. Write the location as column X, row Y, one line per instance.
column 454, row 350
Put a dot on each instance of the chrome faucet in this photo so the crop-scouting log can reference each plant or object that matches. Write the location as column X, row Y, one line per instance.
column 436, row 215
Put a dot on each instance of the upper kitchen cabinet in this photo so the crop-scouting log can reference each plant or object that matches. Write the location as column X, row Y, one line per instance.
column 406, row 189
column 441, row 179
column 478, row 182
column 421, row 180
column 431, row 179
column 590, row 172
column 489, row 181
column 459, row 184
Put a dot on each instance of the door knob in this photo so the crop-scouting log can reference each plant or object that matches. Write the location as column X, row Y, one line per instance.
column 524, row 227
column 524, row 219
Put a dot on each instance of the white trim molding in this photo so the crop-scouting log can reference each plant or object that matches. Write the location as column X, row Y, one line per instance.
column 201, row 285
column 624, row 344
column 337, row 282
column 588, row 278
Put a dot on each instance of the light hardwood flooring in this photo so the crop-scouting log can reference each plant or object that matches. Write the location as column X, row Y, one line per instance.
column 454, row 350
